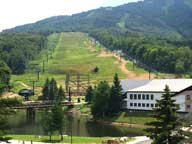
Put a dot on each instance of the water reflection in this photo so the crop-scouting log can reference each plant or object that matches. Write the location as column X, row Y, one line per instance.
column 80, row 126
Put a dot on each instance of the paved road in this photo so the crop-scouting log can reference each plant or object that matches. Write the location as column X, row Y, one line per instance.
column 144, row 142
column 141, row 140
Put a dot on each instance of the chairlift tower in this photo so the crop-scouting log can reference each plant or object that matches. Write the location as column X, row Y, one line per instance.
column 78, row 83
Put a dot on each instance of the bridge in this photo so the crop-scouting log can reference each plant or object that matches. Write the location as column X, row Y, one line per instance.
column 41, row 104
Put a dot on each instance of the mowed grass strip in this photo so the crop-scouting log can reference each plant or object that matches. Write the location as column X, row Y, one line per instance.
column 74, row 56
column 67, row 139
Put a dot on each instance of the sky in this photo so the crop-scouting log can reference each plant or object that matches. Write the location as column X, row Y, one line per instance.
column 19, row 12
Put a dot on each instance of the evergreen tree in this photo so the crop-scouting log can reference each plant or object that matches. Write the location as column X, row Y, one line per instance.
column 61, row 95
column 115, row 97
column 165, row 130
column 53, row 91
column 89, row 94
column 45, row 91
column 101, row 97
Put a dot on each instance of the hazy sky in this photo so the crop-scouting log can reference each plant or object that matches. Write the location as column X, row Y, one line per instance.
column 18, row 12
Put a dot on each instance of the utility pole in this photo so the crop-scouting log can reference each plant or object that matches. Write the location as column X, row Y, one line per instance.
column 47, row 57
column 149, row 74
column 67, row 79
column 38, row 70
column 69, row 94
column 43, row 66
column 33, row 84
column 88, row 80
column 133, row 65
column 71, row 131
column 78, row 83
column 38, row 75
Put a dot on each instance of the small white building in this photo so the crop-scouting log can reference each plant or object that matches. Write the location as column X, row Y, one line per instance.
column 142, row 94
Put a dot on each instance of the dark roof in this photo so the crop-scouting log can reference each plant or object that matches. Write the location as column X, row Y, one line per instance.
column 24, row 92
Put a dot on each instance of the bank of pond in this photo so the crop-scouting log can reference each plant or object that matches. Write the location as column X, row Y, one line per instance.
column 76, row 124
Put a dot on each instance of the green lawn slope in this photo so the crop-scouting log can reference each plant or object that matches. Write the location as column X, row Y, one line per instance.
column 71, row 53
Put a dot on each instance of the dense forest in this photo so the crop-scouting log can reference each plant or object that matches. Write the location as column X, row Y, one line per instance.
column 156, row 34
column 17, row 49
column 5, row 73
column 167, row 18
column 155, row 53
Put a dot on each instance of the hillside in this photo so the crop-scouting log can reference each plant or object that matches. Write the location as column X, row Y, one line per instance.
column 76, row 53
column 151, row 17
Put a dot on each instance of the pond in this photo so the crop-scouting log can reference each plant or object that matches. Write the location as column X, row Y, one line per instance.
column 79, row 125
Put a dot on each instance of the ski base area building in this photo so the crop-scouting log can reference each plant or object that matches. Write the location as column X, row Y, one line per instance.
column 142, row 94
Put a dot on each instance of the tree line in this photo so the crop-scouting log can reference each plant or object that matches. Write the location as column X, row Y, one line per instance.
column 5, row 74
column 17, row 49
column 53, row 118
column 105, row 100
column 156, row 53
column 52, row 92
column 5, row 111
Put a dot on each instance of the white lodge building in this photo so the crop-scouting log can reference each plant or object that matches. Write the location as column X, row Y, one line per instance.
column 142, row 94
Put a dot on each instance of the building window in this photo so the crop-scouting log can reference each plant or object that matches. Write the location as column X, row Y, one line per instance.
column 139, row 104
column 188, row 106
column 131, row 104
column 139, row 96
column 143, row 97
column 135, row 104
column 147, row 97
column 152, row 105
column 152, row 97
column 131, row 96
column 135, row 96
column 147, row 105
column 188, row 97
column 143, row 104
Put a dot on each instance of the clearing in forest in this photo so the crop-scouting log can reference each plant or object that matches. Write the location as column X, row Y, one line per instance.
column 77, row 53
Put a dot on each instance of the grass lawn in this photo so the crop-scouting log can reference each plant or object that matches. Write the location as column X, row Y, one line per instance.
column 67, row 139
column 71, row 52
column 135, row 117
column 75, row 53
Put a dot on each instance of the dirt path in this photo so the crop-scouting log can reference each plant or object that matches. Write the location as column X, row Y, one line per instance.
column 122, row 65
column 121, row 62
column 9, row 95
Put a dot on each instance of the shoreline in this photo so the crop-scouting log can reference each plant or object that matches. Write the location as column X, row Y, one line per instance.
column 110, row 123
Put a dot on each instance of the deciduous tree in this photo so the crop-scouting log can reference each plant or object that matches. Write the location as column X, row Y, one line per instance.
column 101, row 98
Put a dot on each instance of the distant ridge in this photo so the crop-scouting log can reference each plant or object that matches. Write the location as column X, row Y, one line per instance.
column 151, row 17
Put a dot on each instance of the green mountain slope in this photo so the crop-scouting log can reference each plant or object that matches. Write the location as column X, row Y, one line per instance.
column 152, row 17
